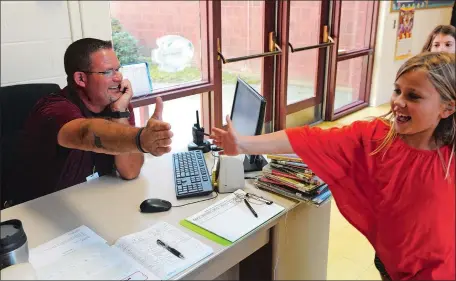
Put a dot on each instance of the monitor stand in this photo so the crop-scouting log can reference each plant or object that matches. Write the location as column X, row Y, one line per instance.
column 257, row 165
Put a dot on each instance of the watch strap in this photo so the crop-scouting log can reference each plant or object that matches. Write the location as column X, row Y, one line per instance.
column 119, row 114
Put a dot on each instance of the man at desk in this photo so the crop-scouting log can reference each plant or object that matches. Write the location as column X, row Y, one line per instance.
column 86, row 130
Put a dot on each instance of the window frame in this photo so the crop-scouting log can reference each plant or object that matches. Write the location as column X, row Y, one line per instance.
column 274, row 68
column 267, row 70
column 283, row 108
column 208, row 81
column 332, row 114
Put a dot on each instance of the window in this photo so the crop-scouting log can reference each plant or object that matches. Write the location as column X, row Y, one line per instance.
column 176, row 50
column 349, row 83
column 351, row 73
column 354, row 25
column 151, row 31
column 179, row 40
column 304, row 31
column 179, row 113
column 242, row 34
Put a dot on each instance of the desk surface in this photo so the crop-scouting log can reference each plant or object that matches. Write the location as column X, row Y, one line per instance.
column 110, row 207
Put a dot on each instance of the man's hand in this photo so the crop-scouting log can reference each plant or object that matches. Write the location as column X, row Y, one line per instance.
column 122, row 103
column 158, row 112
column 156, row 136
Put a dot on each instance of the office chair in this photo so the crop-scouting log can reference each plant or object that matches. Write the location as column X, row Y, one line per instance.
column 16, row 102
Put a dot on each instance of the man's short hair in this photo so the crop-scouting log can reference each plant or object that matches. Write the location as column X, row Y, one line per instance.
column 77, row 55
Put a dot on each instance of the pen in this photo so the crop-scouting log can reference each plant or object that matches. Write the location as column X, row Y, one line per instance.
column 170, row 249
column 250, row 207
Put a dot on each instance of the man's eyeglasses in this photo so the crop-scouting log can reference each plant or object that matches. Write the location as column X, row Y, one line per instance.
column 253, row 199
column 108, row 73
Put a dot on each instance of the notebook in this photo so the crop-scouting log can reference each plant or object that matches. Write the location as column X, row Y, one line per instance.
column 231, row 219
column 83, row 255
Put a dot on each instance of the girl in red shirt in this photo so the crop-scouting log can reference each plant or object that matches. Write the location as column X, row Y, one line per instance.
column 392, row 178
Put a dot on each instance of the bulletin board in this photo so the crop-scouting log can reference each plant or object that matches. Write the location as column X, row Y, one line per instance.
column 420, row 4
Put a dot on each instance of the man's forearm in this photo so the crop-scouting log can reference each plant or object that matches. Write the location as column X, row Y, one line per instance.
column 98, row 135
column 128, row 164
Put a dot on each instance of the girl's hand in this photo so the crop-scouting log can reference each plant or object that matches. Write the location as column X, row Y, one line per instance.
column 228, row 140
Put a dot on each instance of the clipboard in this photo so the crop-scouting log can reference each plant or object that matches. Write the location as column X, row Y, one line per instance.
column 228, row 220
column 203, row 232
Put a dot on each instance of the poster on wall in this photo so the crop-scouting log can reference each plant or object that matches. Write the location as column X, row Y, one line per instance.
column 404, row 33
column 396, row 5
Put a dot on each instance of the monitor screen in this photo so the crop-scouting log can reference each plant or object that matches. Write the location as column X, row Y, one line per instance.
column 247, row 113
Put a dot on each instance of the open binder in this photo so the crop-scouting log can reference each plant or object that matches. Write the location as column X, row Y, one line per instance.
column 83, row 255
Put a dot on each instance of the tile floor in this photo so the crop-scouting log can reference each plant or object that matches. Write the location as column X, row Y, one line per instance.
column 350, row 255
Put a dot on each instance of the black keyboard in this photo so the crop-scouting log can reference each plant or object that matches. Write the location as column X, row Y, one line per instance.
column 191, row 177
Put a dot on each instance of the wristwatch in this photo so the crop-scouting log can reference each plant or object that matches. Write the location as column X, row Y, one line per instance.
column 119, row 114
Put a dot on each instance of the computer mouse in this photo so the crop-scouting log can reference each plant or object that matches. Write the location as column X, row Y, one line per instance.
column 154, row 205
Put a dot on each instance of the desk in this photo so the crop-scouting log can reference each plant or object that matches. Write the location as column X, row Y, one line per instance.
column 298, row 237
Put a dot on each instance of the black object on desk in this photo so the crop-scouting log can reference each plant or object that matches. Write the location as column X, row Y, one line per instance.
column 247, row 115
column 154, row 205
column 199, row 143
column 170, row 249
column 250, row 207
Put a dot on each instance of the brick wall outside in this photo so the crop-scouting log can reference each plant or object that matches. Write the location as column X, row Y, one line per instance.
column 242, row 34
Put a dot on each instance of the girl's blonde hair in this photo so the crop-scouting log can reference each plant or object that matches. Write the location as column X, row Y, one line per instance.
column 440, row 68
column 439, row 29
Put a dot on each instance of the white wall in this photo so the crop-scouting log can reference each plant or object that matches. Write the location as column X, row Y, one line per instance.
column 35, row 35
column 385, row 67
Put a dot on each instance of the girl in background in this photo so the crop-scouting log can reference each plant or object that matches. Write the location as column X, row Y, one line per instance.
column 441, row 39
column 392, row 178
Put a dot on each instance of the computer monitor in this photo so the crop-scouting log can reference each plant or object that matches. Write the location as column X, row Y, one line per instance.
column 247, row 116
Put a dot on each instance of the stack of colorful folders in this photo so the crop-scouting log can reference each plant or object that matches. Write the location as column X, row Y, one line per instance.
column 287, row 175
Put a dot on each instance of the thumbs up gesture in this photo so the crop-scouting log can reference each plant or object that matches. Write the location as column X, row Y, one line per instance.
column 158, row 112
column 156, row 136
